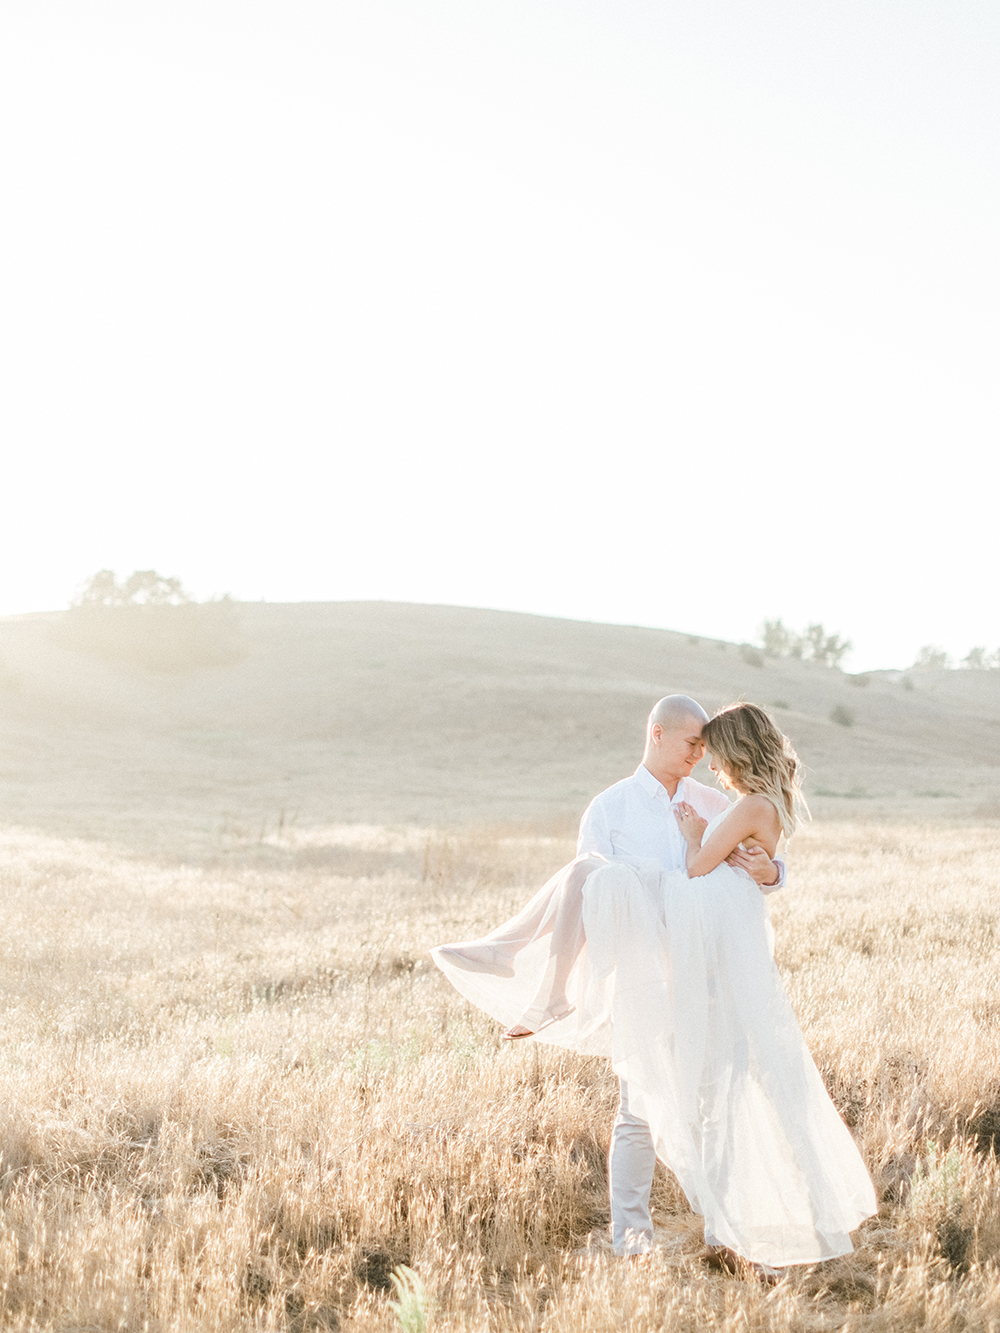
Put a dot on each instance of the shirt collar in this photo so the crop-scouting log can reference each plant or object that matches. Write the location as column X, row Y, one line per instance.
column 655, row 788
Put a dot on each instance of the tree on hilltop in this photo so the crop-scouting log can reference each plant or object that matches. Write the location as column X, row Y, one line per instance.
column 931, row 658
column 779, row 641
column 144, row 587
column 827, row 649
column 978, row 659
column 149, row 620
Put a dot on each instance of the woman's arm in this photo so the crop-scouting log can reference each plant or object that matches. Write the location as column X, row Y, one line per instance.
column 751, row 817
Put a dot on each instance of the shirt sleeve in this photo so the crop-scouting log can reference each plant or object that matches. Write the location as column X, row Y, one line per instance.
column 595, row 835
column 779, row 883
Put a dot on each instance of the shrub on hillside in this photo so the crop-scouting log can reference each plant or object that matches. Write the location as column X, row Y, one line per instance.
column 150, row 621
column 842, row 716
column 751, row 655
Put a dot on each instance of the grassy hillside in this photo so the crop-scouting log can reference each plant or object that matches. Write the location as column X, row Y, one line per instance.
column 343, row 712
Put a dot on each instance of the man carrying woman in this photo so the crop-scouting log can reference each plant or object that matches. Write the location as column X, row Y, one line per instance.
column 654, row 947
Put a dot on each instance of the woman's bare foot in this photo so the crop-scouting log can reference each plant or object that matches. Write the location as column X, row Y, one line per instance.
column 514, row 1033
column 724, row 1260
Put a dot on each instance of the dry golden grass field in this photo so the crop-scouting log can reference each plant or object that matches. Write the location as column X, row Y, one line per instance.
column 237, row 1096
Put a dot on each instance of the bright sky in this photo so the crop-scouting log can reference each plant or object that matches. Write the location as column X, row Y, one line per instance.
column 681, row 313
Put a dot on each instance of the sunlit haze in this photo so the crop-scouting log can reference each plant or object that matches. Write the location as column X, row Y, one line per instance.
column 680, row 314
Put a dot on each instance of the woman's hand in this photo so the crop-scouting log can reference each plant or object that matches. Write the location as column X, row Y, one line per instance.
column 692, row 825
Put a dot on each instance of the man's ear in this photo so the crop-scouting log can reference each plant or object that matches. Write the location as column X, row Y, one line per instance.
column 655, row 733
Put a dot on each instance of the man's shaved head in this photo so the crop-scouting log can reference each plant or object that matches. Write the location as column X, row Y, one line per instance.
column 674, row 712
column 673, row 739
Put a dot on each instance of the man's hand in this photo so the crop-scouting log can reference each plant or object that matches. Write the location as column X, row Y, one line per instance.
column 756, row 863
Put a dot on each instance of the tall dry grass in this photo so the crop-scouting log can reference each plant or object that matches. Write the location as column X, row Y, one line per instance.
column 236, row 1096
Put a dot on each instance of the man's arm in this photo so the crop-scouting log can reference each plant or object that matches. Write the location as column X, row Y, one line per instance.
column 595, row 834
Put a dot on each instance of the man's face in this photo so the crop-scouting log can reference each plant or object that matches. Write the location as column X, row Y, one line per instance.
column 680, row 748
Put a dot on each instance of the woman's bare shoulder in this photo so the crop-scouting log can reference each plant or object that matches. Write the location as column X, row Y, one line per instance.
column 759, row 809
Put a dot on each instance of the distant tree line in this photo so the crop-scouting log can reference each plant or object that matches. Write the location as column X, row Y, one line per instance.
column 932, row 658
column 812, row 645
column 150, row 621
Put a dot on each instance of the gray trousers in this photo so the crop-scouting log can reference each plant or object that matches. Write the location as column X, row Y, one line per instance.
column 631, row 1160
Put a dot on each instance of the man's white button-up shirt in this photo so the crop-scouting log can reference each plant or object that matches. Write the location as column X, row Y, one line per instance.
column 634, row 821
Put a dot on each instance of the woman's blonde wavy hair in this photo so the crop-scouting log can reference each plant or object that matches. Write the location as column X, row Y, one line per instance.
column 759, row 760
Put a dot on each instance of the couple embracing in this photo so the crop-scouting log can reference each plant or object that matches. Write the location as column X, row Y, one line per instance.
column 653, row 947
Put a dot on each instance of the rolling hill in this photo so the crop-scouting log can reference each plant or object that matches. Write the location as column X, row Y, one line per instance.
column 381, row 712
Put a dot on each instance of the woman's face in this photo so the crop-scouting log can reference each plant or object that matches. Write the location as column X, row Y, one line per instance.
column 718, row 767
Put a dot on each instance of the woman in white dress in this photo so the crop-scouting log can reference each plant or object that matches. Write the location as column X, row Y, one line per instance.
column 672, row 975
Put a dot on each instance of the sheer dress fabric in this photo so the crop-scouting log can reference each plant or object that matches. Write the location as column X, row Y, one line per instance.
column 674, row 980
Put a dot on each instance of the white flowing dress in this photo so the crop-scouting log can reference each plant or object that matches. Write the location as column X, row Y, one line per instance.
column 674, row 979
